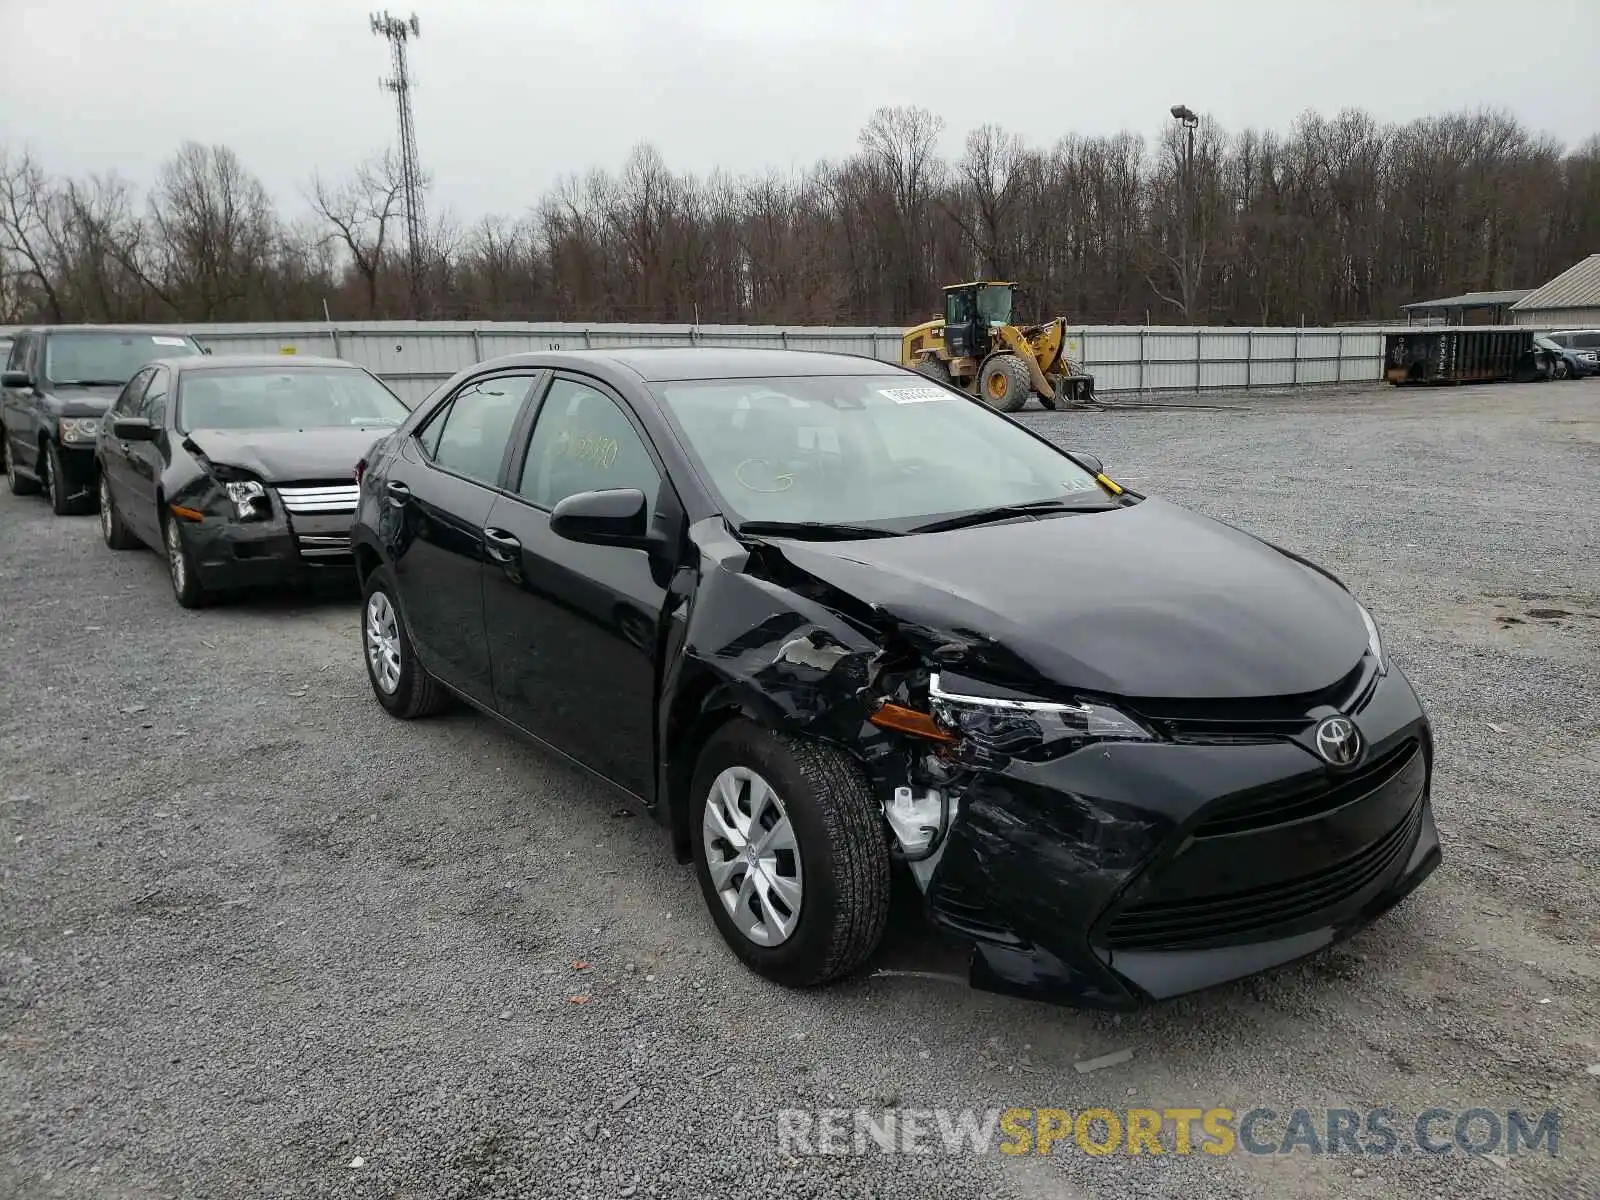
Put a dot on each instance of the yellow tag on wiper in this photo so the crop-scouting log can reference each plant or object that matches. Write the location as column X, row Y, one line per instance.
column 1106, row 482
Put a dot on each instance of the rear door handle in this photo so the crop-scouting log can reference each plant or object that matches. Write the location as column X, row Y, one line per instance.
column 399, row 493
column 502, row 546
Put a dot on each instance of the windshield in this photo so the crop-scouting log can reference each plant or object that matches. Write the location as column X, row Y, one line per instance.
column 994, row 305
column 1547, row 343
column 284, row 398
column 108, row 358
column 861, row 449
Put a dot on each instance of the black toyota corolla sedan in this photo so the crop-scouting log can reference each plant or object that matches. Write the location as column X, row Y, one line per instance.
column 820, row 614
column 240, row 469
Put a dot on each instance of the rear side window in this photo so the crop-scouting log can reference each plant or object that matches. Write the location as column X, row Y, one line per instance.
column 470, row 436
column 1586, row 341
column 583, row 442
column 132, row 396
column 154, row 405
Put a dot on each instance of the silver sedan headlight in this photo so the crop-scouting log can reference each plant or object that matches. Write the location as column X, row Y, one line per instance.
column 77, row 430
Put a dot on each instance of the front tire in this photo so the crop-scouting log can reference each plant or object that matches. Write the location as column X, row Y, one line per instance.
column 180, row 566
column 55, row 483
column 790, row 851
column 1005, row 383
column 937, row 370
column 400, row 683
column 1560, row 371
column 117, row 535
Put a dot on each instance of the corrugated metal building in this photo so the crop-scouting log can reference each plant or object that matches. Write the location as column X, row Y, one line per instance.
column 1569, row 301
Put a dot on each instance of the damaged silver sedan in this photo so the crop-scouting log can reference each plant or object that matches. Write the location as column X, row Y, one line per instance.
column 822, row 616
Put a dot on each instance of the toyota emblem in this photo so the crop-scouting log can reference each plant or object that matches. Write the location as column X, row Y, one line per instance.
column 1338, row 741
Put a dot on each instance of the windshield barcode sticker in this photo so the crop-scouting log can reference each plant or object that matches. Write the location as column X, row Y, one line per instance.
column 913, row 395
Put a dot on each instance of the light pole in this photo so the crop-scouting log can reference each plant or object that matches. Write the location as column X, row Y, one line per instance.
column 1190, row 121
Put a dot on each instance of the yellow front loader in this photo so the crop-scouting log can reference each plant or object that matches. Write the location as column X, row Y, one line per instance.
column 975, row 346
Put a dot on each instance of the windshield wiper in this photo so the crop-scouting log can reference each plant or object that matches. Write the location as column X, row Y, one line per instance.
column 822, row 530
column 1002, row 512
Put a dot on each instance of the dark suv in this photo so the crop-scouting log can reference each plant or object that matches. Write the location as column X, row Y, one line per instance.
column 58, row 382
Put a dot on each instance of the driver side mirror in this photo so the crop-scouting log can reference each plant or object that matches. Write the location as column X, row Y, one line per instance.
column 1088, row 462
column 133, row 429
column 614, row 517
column 16, row 379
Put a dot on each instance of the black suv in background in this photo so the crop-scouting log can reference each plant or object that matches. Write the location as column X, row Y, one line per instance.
column 1578, row 352
column 58, row 383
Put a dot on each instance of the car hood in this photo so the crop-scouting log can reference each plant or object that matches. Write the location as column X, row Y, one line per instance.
column 81, row 401
column 1145, row 601
column 290, row 455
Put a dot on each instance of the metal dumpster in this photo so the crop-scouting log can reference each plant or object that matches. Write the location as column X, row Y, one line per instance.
column 1463, row 356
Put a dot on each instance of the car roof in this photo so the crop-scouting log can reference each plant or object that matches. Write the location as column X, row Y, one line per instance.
column 212, row 362
column 150, row 330
column 669, row 363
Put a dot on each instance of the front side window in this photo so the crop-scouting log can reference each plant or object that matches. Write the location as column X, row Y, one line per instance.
column 284, row 398
column 470, row 438
column 583, row 442
column 861, row 449
column 18, row 361
column 153, row 407
column 132, row 395
column 108, row 359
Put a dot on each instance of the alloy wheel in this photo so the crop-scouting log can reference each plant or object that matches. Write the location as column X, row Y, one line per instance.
column 49, row 475
column 105, row 509
column 753, row 856
column 180, row 569
column 383, row 642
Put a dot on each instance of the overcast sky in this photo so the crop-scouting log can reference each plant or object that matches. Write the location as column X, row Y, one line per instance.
column 513, row 95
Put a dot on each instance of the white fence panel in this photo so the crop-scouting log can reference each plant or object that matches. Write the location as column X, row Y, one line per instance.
column 414, row 357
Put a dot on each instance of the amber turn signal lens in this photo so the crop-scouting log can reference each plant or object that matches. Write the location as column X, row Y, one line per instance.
column 908, row 720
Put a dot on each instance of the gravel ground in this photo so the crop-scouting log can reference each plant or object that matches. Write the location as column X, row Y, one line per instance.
column 253, row 930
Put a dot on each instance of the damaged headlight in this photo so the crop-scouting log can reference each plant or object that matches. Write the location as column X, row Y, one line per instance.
column 1017, row 727
column 249, row 499
column 1374, row 643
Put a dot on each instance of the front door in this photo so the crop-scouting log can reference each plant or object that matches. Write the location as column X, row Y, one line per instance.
column 114, row 452
column 440, row 488
column 960, row 322
column 574, row 630
column 144, row 461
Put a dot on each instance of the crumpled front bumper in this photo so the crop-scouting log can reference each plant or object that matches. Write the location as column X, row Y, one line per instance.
column 231, row 555
column 1128, row 872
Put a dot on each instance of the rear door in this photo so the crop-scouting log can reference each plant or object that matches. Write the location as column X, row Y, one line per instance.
column 440, row 488
column 573, row 629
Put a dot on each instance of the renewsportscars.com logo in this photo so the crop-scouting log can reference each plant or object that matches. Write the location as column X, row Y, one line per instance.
column 1378, row 1132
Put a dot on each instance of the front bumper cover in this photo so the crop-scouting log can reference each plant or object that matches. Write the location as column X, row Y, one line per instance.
column 1131, row 872
column 232, row 555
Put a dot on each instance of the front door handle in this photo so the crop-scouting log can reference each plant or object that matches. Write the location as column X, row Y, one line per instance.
column 502, row 546
column 399, row 493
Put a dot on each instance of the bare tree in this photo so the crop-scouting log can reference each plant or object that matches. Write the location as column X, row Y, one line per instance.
column 364, row 212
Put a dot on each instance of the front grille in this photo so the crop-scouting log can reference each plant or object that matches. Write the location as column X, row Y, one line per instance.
column 320, row 500
column 1176, row 924
column 1279, row 806
column 323, row 545
column 1254, row 720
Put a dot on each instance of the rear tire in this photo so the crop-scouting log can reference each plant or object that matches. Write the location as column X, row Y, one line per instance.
column 1560, row 370
column 1005, row 383
column 398, row 680
column 838, row 869
column 19, row 485
column 117, row 535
